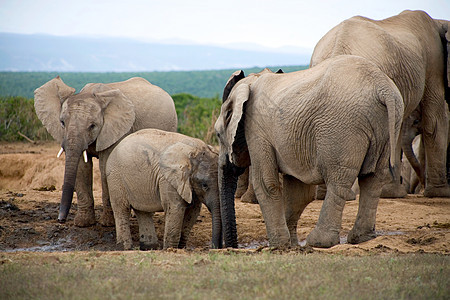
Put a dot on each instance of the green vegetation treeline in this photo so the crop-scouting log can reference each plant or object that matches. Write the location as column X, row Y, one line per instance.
column 198, row 83
column 195, row 93
column 196, row 117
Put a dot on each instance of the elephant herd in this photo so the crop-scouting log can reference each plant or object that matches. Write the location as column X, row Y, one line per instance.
column 372, row 86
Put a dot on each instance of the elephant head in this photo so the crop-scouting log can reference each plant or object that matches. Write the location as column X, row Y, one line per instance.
column 97, row 116
column 234, row 156
column 192, row 171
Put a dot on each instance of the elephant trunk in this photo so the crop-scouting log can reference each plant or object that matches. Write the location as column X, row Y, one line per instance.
column 216, row 227
column 70, row 175
column 407, row 146
column 227, row 187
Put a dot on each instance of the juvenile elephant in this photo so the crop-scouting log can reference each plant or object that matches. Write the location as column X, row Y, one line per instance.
column 332, row 123
column 92, row 122
column 152, row 170
column 412, row 49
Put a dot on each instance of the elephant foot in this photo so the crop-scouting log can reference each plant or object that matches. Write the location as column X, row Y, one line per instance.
column 322, row 239
column 357, row 237
column 145, row 246
column 249, row 197
column 393, row 190
column 107, row 218
column 431, row 192
column 85, row 219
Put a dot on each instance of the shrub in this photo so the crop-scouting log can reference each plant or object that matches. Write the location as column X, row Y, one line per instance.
column 17, row 116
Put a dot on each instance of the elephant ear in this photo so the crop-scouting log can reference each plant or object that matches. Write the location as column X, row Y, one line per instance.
column 234, row 126
column 234, row 78
column 47, row 104
column 118, row 117
column 176, row 168
column 447, row 65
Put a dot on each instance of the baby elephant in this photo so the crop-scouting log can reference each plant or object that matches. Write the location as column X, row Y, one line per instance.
column 153, row 170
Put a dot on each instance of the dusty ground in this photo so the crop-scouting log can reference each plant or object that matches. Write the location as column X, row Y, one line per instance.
column 30, row 189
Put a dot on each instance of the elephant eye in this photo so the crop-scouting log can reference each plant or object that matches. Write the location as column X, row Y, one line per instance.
column 92, row 126
column 205, row 186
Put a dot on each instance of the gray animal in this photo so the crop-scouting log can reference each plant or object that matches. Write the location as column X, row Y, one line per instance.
column 153, row 170
column 92, row 122
column 332, row 123
column 412, row 49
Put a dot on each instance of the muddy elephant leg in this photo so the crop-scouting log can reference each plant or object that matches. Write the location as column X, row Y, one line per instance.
column 242, row 184
column 326, row 232
column 435, row 141
column 107, row 217
column 85, row 199
column 296, row 196
column 268, row 192
column 123, row 231
column 174, row 216
column 370, row 190
column 393, row 187
column 148, row 240
column 249, row 196
column 190, row 217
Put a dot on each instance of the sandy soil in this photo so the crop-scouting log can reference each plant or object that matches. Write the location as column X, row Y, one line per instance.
column 30, row 189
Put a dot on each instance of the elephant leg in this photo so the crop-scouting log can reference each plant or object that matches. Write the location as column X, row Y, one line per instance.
column 190, row 217
column 394, row 188
column 326, row 232
column 242, row 184
column 321, row 192
column 107, row 217
column 123, row 232
column 435, row 141
column 268, row 192
column 148, row 239
column 370, row 190
column 85, row 199
column 249, row 196
column 296, row 196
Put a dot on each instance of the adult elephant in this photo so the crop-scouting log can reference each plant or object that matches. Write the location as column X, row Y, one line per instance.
column 332, row 123
column 92, row 122
column 412, row 49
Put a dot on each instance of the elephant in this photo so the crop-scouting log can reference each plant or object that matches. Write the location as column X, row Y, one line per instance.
column 332, row 123
column 92, row 122
column 412, row 49
column 411, row 180
column 153, row 170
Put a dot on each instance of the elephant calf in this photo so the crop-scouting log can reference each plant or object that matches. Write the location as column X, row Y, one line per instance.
column 153, row 170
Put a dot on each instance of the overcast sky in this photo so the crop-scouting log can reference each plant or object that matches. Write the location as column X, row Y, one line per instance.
column 264, row 22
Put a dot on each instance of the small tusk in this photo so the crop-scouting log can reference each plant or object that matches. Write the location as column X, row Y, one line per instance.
column 85, row 156
column 60, row 152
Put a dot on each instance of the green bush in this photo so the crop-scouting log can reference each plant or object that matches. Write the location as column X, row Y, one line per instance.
column 17, row 116
column 196, row 118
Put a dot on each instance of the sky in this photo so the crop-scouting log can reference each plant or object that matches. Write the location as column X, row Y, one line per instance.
column 269, row 23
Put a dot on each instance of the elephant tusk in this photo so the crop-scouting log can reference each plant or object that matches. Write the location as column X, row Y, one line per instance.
column 60, row 152
column 85, row 156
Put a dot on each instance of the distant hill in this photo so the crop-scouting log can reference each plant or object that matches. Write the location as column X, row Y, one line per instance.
column 19, row 52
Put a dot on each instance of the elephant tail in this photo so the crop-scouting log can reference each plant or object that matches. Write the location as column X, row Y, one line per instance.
column 393, row 100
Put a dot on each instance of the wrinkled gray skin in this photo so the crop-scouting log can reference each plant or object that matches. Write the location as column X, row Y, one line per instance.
column 412, row 49
column 95, row 120
column 152, row 170
column 410, row 178
column 412, row 127
column 332, row 123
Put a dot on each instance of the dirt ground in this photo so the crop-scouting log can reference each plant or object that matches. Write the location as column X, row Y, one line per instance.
column 30, row 188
